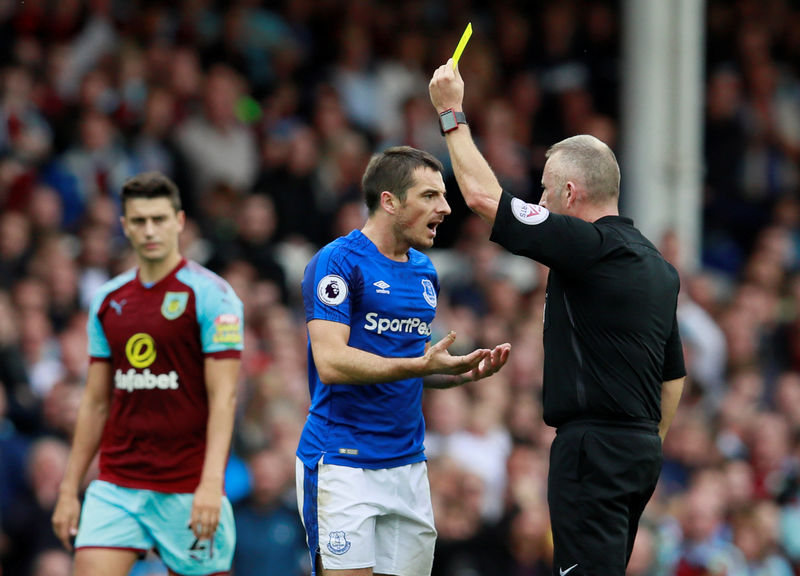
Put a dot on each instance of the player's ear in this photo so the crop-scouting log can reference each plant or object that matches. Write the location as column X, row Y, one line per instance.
column 389, row 202
column 181, row 216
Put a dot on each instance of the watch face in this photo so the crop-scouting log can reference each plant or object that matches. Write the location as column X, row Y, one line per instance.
column 448, row 120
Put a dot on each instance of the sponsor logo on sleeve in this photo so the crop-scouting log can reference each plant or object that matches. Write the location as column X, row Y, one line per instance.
column 174, row 304
column 528, row 213
column 332, row 290
column 227, row 329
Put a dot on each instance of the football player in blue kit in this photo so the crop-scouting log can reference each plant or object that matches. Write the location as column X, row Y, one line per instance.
column 370, row 299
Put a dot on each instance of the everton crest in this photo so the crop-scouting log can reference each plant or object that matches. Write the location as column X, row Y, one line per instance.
column 429, row 292
column 174, row 304
column 338, row 543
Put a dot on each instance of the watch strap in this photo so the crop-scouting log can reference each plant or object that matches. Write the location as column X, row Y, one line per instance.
column 460, row 117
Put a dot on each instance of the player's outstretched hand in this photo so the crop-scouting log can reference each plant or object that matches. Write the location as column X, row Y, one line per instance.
column 439, row 361
column 490, row 365
column 65, row 519
column 446, row 88
column 205, row 510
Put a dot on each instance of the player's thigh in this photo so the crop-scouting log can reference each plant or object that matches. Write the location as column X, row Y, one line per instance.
column 104, row 561
column 167, row 518
column 354, row 572
column 405, row 538
column 338, row 512
column 110, row 518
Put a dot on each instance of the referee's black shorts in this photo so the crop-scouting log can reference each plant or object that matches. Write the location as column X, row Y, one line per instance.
column 601, row 477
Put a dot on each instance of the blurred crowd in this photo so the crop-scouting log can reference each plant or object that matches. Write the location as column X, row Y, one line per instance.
column 265, row 114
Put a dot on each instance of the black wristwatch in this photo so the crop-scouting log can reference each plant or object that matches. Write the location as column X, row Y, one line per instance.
column 450, row 119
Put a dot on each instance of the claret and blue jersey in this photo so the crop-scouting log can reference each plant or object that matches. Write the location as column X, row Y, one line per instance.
column 156, row 339
column 389, row 307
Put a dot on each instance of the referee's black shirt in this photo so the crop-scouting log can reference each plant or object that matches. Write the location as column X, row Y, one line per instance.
column 610, row 326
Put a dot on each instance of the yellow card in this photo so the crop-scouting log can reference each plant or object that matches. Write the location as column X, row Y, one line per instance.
column 462, row 44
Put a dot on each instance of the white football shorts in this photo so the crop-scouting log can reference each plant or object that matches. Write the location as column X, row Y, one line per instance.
column 360, row 518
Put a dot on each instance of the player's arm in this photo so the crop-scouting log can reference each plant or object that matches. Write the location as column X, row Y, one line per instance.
column 221, row 376
column 671, row 391
column 339, row 363
column 478, row 184
column 92, row 416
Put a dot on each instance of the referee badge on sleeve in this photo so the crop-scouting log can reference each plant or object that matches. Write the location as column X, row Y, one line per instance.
column 332, row 290
column 528, row 213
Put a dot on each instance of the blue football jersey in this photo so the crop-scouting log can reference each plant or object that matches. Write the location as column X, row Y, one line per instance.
column 389, row 307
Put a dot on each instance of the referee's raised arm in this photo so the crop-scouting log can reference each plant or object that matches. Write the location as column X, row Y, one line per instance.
column 475, row 178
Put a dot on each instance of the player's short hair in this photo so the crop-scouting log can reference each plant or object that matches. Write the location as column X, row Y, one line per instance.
column 393, row 170
column 591, row 160
column 151, row 185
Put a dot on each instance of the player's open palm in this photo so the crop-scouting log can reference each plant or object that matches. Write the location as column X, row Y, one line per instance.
column 205, row 510
column 439, row 360
column 65, row 519
column 496, row 359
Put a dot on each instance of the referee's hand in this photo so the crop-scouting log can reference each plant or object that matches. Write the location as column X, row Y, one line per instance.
column 446, row 87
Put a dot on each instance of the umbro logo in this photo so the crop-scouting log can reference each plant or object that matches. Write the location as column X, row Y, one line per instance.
column 563, row 572
column 117, row 306
column 383, row 287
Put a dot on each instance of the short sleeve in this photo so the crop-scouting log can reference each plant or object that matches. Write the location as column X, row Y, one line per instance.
column 329, row 284
column 220, row 315
column 561, row 242
column 673, row 355
column 98, row 343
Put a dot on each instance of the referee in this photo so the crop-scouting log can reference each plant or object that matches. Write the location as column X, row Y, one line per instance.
column 613, row 368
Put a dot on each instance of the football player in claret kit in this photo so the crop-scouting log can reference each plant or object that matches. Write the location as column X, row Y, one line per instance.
column 165, row 341
column 370, row 298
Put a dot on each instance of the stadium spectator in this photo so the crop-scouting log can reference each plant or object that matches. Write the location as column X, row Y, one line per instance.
column 269, row 530
column 218, row 149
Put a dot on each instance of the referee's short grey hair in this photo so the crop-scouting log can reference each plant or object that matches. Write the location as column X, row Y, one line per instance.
column 586, row 158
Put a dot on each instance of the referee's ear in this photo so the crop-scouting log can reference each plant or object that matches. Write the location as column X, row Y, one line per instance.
column 570, row 195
